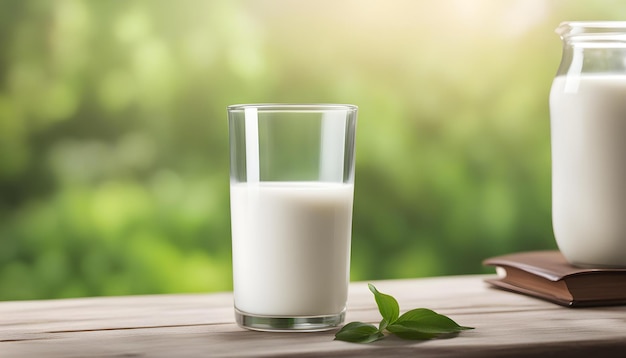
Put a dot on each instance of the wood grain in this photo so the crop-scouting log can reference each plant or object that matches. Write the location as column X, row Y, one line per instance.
column 202, row 325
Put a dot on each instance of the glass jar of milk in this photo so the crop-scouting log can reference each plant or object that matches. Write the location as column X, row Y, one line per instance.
column 588, row 138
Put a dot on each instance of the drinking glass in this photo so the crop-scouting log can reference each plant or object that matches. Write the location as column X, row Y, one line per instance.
column 291, row 195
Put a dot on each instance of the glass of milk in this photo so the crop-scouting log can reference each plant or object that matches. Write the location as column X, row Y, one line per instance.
column 588, row 138
column 291, row 194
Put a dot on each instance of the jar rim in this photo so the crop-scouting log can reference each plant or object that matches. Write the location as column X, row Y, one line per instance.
column 591, row 28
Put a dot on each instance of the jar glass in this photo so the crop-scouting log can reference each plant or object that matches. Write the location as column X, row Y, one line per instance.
column 588, row 142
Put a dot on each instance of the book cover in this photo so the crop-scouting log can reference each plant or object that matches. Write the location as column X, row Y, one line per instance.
column 548, row 275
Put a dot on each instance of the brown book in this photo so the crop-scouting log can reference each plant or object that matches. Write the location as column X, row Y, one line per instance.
column 547, row 275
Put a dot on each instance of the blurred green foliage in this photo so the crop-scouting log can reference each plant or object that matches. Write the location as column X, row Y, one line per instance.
column 114, row 143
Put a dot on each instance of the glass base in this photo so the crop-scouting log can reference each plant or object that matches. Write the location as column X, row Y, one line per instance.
column 288, row 324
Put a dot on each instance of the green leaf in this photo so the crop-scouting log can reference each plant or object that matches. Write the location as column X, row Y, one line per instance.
column 407, row 332
column 387, row 306
column 417, row 324
column 430, row 321
column 422, row 323
column 359, row 332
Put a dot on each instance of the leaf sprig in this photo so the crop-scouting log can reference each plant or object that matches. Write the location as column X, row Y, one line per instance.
column 416, row 324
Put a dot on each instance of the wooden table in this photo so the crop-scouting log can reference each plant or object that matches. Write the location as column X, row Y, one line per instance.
column 202, row 325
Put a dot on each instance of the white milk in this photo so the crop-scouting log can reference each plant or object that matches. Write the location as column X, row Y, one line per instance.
column 588, row 118
column 291, row 247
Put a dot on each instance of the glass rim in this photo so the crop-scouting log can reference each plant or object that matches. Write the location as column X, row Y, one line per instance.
column 299, row 107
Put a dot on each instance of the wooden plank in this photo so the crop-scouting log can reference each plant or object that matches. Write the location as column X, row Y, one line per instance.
column 507, row 325
column 30, row 319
